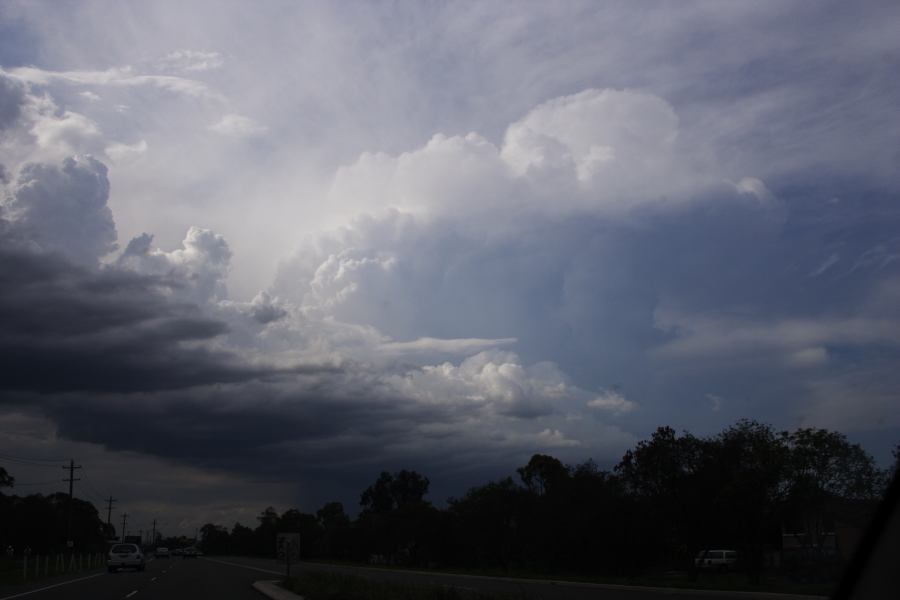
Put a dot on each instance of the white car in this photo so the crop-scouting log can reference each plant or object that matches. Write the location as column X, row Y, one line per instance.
column 125, row 555
column 161, row 552
column 720, row 560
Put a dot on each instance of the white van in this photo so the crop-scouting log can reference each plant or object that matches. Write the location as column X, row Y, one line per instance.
column 720, row 560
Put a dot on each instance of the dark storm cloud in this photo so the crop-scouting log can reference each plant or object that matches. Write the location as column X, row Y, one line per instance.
column 65, row 328
column 328, row 435
column 235, row 425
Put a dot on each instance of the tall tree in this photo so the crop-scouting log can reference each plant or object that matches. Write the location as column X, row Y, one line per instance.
column 394, row 491
column 667, row 476
column 748, row 462
column 335, row 525
column 215, row 539
column 825, row 464
column 543, row 473
column 6, row 480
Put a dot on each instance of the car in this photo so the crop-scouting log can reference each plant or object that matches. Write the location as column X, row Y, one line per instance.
column 719, row 560
column 177, row 552
column 190, row 552
column 125, row 555
column 162, row 552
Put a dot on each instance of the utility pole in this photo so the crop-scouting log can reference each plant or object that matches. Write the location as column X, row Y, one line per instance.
column 109, row 504
column 124, row 520
column 153, row 535
column 71, row 481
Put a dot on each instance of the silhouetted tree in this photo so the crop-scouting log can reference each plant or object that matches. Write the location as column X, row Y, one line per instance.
column 396, row 521
column 215, row 539
column 242, row 541
column 542, row 473
column 390, row 492
column 748, row 463
column 667, row 498
column 488, row 520
column 6, row 480
column 665, row 476
column 896, row 454
column 265, row 533
column 294, row 521
column 335, row 525
column 39, row 522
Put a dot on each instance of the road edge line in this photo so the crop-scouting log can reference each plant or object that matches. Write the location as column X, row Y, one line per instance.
column 274, row 591
column 50, row 587
column 233, row 564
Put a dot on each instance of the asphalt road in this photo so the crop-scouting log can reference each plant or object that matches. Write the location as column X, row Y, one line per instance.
column 231, row 579
column 163, row 579
column 519, row 588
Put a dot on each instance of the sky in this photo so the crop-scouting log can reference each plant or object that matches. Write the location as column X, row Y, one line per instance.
column 253, row 254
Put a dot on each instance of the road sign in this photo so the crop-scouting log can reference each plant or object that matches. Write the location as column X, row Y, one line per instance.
column 288, row 546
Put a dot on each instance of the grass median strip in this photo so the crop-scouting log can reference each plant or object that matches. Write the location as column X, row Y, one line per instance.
column 319, row 585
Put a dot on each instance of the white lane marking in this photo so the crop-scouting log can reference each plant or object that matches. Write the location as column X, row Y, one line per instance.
column 129, row 595
column 55, row 585
column 225, row 562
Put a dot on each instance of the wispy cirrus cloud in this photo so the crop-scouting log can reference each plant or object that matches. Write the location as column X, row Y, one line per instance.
column 118, row 77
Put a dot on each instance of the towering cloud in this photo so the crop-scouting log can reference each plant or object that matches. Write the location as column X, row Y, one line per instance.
column 64, row 207
column 201, row 263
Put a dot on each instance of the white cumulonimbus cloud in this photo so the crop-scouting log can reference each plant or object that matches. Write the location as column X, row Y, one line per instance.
column 597, row 151
column 202, row 263
column 63, row 207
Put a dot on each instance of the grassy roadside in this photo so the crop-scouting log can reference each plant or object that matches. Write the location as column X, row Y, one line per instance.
column 707, row 581
column 319, row 585
column 13, row 573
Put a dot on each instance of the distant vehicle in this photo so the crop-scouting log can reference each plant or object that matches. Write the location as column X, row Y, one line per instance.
column 162, row 552
column 190, row 552
column 177, row 552
column 719, row 560
column 125, row 555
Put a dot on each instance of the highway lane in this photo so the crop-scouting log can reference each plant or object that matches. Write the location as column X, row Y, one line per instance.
column 163, row 579
column 231, row 578
column 524, row 588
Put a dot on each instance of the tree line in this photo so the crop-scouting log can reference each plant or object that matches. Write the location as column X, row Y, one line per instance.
column 38, row 523
column 669, row 497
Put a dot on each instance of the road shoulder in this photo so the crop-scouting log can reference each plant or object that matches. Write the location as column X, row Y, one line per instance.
column 274, row 591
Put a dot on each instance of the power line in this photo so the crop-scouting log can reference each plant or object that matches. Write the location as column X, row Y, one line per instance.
column 17, row 484
column 17, row 457
column 27, row 461
column 90, row 486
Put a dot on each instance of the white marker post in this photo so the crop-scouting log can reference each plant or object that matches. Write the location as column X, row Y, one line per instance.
column 287, row 546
